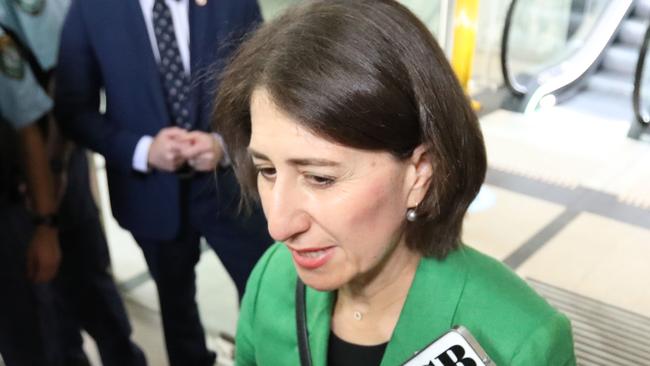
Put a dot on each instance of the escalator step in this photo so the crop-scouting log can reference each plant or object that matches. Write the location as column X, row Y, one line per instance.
column 632, row 31
column 603, row 334
column 611, row 83
column 608, row 106
column 642, row 9
column 621, row 58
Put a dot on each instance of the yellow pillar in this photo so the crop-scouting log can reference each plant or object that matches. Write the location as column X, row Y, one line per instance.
column 465, row 26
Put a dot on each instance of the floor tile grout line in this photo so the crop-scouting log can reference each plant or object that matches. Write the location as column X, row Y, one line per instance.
column 539, row 239
column 580, row 198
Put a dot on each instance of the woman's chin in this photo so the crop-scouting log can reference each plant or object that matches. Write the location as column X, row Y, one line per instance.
column 319, row 282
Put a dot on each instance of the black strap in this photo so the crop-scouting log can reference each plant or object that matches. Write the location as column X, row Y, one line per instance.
column 41, row 75
column 301, row 325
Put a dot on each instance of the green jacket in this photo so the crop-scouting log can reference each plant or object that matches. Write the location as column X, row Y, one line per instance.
column 514, row 325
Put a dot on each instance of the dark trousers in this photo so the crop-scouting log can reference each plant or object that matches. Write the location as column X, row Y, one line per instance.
column 21, row 343
column 238, row 241
column 28, row 315
column 87, row 296
column 41, row 324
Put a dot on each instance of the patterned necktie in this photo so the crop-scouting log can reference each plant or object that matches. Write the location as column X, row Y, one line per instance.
column 176, row 83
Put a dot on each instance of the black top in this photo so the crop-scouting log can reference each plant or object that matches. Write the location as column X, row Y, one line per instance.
column 342, row 353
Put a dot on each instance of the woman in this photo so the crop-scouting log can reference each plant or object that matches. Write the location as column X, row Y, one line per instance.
column 345, row 119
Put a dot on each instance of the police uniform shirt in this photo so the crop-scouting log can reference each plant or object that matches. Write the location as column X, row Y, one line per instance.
column 38, row 23
column 22, row 100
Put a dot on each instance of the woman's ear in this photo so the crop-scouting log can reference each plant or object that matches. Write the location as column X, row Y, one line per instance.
column 420, row 172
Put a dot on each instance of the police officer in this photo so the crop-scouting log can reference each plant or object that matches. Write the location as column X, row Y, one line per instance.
column 83, row 294
column 29, row 253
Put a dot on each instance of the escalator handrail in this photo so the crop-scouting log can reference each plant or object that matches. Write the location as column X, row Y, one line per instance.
column 510, row 82
column 638, row 76
column 572, row 69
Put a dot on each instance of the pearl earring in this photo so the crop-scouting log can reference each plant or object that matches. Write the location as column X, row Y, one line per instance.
column 411, row 215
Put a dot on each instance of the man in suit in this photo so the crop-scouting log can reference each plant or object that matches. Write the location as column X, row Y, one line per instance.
column 154, row 60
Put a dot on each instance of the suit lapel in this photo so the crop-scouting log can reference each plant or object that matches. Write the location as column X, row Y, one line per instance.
column 429, row 308
column 149, row 66
column 200, row 17
column 198, row 22
column 428, row 312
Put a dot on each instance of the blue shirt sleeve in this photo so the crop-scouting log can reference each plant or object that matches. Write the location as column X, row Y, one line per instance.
column 22, row 100
column 38, row 23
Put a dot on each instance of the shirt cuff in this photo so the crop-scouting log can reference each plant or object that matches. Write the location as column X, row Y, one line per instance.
column 225, row 160
column 141, row 154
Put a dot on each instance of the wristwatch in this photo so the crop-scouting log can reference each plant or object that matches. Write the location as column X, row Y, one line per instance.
column 51, row 220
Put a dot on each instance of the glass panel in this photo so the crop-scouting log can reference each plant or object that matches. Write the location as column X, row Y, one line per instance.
column 544, row 33
column 487, row 57
column 272, row 8
column 429, row 11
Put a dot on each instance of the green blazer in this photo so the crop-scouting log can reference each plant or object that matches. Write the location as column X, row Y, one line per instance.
column 514, row 325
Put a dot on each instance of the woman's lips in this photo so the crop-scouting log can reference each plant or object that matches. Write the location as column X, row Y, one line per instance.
column 312, row 258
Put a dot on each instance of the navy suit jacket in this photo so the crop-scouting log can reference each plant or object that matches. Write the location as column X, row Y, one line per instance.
column 105, row 46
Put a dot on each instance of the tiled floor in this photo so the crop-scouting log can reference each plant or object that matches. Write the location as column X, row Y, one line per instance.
column 502, row 228
column 599, row 258
column 542, row 169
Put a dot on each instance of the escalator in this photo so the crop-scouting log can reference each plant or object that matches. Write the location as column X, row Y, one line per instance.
column 640, row 128
column 585, row 57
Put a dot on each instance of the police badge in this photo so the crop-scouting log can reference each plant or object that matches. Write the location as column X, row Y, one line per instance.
column 32, row 7
column 11, row 62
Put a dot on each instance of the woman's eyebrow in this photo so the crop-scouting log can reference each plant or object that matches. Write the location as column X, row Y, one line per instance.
column 296, row 161
column 257, row 155
column 312, row 162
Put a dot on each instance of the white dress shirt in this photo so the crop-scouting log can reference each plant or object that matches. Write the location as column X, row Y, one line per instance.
column 180, row 16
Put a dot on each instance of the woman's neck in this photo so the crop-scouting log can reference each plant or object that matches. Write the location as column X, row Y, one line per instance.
column 367, row 309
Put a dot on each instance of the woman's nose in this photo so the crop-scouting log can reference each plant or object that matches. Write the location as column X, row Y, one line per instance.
column 285, row 213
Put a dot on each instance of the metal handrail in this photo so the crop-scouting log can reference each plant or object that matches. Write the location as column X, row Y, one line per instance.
column 511, row 83
column 581, row 61
column 643, row 119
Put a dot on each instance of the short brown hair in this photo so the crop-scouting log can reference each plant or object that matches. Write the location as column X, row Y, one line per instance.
column 365, row 74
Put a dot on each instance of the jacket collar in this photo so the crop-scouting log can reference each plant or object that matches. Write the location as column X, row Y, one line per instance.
column 428, row 312
column 197, row 27
column 430, row 306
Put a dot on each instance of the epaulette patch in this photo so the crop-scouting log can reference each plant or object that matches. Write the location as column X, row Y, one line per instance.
column 11, row 61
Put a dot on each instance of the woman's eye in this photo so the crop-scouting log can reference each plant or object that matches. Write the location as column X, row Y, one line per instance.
column 319, row 180
column 266, row 172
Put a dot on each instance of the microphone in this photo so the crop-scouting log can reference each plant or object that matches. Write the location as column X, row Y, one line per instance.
column 457, row 347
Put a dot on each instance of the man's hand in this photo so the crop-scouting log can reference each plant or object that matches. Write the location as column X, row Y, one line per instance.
column 202, row 151
column 165, row 151
column 43, row 254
